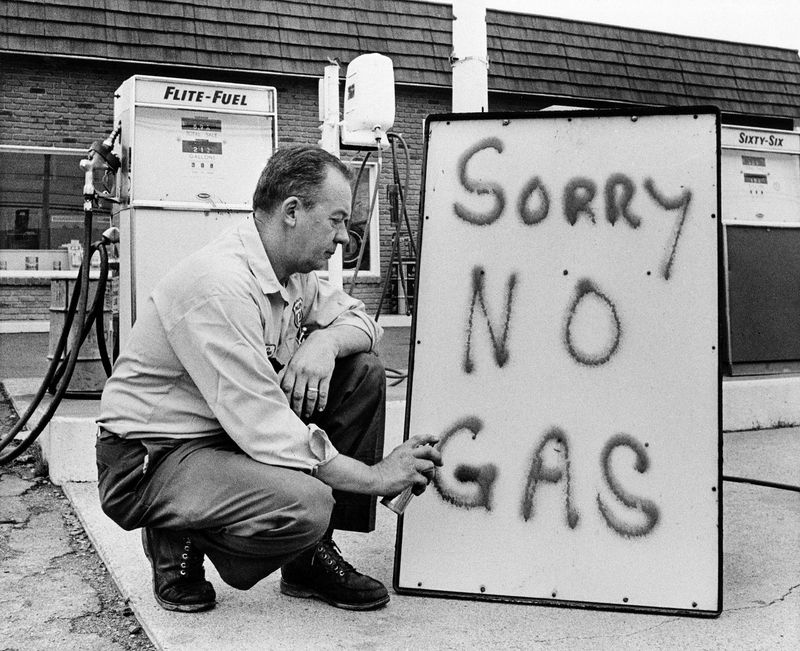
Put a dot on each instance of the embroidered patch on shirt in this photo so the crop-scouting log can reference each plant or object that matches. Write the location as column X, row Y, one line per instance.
column 297, row 310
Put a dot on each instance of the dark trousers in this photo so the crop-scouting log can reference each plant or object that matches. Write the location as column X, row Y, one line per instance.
column 248, row 517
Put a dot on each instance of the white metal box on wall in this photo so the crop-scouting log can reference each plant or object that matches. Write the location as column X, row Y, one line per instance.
column 191, row 154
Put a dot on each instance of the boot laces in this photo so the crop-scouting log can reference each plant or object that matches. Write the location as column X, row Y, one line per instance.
column 191, row 561
column 328, row 553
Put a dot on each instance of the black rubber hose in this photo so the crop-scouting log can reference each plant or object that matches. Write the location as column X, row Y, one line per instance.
column 761, row 482
column 403, row 187
column 370, row 209
column 387, row 280
column 93, row 316
column 83, row 279
column 99, row 310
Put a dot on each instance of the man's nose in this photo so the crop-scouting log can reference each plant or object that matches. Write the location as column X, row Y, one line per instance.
column 342, row 235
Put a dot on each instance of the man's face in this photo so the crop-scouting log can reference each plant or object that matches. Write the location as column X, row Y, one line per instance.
column 323, row 226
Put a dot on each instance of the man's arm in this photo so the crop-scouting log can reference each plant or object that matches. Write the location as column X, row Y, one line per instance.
column 307, row 376
column 220, row 344
column 411, row 463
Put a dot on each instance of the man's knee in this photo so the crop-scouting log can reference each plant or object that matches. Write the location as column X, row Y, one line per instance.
column 312, row 513
column 371, row 366
column 245, row 555
column 362, row 372
column 296, row 521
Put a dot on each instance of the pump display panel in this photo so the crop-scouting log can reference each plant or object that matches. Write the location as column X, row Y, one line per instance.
column 565, row 350
column 207, row 159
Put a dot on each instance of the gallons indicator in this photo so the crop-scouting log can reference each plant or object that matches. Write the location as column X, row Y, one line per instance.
column 201, row 147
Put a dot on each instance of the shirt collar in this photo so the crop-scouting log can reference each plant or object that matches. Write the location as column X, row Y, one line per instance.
column 257, row 259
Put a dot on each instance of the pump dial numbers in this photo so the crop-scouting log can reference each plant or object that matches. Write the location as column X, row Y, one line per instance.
column 201, row 147
column 201, row 124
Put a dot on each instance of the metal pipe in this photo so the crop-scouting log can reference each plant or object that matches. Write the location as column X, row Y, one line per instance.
column 469, row 59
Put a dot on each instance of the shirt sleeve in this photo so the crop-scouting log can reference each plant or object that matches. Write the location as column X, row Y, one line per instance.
column 330, row 306
column 220, row 343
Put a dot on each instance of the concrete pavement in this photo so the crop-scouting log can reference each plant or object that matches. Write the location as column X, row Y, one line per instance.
column 761, row 586
column 761, row 583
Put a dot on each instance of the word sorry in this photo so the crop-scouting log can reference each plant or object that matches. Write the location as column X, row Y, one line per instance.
column 533, row 203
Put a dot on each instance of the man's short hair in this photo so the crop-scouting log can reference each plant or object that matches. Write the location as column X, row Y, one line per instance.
column 295, row 172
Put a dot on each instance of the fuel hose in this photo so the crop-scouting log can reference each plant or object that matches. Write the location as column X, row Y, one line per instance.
column 59, row 373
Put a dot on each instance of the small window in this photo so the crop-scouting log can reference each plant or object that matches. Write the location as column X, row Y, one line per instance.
column 363, row 197
column 755, row 178
column 41, row 207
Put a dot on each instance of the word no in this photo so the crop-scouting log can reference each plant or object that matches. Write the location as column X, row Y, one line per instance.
column 472, row 486
column 577, row 198
column 584, row 290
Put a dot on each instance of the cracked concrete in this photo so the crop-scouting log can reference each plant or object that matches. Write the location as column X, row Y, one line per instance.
column 54, row 592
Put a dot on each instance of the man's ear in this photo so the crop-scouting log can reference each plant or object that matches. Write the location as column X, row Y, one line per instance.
column 289, row 210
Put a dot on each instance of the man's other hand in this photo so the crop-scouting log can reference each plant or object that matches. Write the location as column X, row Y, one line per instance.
column 307, row 377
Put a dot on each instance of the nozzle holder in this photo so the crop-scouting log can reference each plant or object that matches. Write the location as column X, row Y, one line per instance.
column 104, row 151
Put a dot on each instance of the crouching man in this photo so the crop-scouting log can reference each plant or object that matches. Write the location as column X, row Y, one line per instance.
column 244, row 418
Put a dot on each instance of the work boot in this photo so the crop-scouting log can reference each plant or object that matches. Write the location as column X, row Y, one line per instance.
column 179, row 580
column 321, row 572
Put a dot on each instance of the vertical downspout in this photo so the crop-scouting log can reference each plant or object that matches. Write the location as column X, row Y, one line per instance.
column 329, row 141
column 469, row 59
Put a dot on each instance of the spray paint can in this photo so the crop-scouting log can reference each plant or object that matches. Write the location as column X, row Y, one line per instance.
column 399, row 502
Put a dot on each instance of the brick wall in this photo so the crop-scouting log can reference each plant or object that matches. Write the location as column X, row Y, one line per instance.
column 24, row 299
column 69, row 103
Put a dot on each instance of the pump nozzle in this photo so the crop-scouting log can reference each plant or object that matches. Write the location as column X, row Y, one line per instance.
column 103, row 150
column 112, row 137
column 111, row 235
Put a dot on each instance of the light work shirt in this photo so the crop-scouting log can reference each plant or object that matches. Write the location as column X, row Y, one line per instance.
column 200, row 358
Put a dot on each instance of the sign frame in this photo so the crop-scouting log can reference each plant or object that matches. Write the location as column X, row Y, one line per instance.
column 720, row 348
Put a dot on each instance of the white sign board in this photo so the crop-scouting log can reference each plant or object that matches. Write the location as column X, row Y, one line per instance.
column 566, row 352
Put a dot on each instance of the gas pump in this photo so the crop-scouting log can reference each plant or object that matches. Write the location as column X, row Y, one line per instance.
column 761, row 218
column 191, row 153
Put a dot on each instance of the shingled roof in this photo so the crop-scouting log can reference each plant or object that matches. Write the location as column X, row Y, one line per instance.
column 552, row 56
column 536, row 55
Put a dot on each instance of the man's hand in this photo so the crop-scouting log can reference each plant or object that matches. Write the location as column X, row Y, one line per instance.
column 413, row 463
column 307, row 376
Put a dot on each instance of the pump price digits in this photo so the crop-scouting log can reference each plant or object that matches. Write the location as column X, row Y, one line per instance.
column 201, row 147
